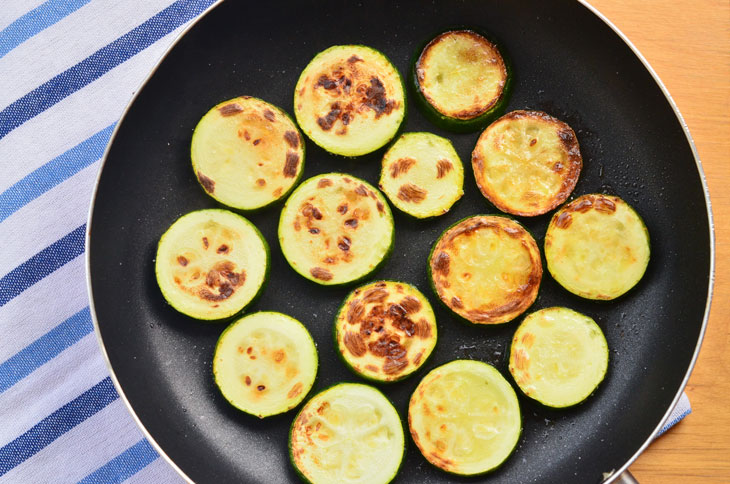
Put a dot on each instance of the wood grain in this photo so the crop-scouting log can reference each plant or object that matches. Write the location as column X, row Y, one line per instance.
column 688, row 45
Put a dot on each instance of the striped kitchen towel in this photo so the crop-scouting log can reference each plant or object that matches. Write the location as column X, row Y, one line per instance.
column 67, row 70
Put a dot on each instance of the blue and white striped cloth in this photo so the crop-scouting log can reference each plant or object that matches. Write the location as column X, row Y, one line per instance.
column 67, row 70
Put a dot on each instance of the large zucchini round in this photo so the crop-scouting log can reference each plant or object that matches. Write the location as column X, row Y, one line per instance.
column 422, row 175
column 462, row 80
column 350, row 100
column 527, row 162
column 335, row 229
column 385, row 330
column 465, row 418
column 558, row 357
column 265, row 363
column 487, row 269
column 597, row 247
column 211, row 264
column 247, row 153
column 347, row 434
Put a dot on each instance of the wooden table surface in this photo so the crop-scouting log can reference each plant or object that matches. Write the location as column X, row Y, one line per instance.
column 688, row 45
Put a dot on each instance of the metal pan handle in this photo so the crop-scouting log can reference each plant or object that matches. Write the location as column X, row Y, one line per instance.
column 626, row 478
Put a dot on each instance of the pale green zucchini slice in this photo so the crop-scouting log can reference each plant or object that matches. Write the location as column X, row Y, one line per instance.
column 265, row 363
column 211, row 264
column 461, row 80
column 350, row 100
column 385, row 330
column 335, row 229
column 422, row 175
column 465, row 418
column 527, row 162
column 247, row 153
column 558, row 357
column 597, row 247
column 487, row 269
column 347, row 434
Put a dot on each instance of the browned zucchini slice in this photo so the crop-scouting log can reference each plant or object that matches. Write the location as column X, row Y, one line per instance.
column 527, row 162
column 463, row 79
column 422, row 175
column 335, row 229
column 265, row 363
column 350, row 100
column 597, row 247
column 385, row 330
column 247, row 153
column 211, row 264
column 487, row 269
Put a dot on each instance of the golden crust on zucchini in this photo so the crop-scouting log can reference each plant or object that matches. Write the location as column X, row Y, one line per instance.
column 527, row 162
column 246, row 153
column 385, row 330
column 350, row 100
column 461, row 74
column 335, row 229
column 597, row 247
column 487, row 269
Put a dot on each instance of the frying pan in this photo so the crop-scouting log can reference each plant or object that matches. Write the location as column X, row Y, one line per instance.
column 567, row 61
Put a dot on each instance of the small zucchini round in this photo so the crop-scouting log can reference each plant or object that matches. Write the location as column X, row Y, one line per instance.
column 247, row 153
column 527, row 162
column 347, row 434
column 597, row 247
column 422, row 175
column 211, row 264
column 385, row 330
column 464, row 417
column 265, row 363
column 487, row 269
column 335, row 229
column 461, row 80
column 558, row 357
column 350, row 100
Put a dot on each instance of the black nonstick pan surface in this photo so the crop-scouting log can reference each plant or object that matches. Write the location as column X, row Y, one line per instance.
column 568, row 62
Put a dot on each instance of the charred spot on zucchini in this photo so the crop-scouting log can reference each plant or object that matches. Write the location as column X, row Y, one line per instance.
column 265, row 363
column 335, row 229
column 462, row 80
column 558, row 357
column 350, row 100
column 422, row 175
column 247, row 153
column 385, row 330
column 527, row 162
column 349, row 433
column 211, row 264
column 597, row 247
column 464, row 417
column 486, row 269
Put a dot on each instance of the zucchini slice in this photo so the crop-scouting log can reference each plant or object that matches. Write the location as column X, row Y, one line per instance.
column 247, row 153
column 527, row 162
column 335, row 229
column 597, row 247
column 211, row 264
column 461, row 80
column 487, row 269
column 422, row 175
column 558, row 357
column 465, row 418
column 265, row 363
column 385, row 330
column 350, row 100
column 349, row 433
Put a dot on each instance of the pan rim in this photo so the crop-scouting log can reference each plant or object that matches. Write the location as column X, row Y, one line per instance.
column 700, row 170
